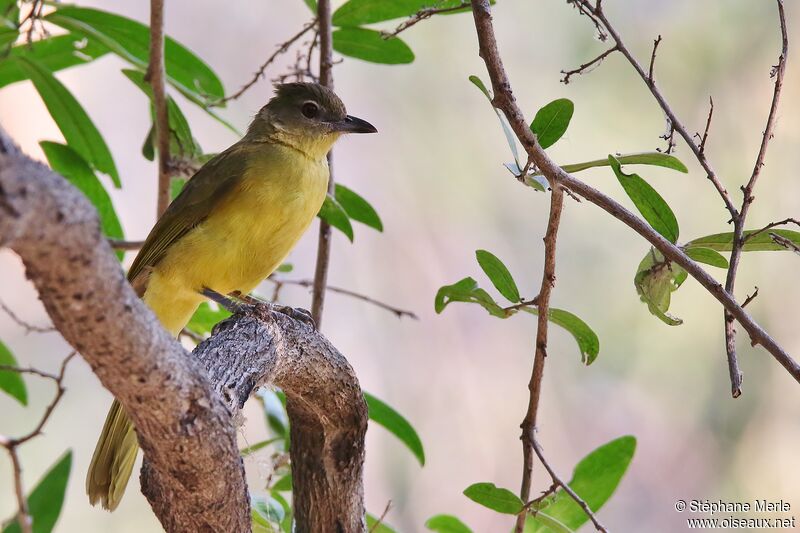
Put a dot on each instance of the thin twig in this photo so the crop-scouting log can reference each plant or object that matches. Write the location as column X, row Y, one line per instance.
column 750, row 298
column 421, row 15
column 23, row 515
column 769, row 226
column 708, row 125
column 557, row 480
column 786, row 243
column 282, row 48
column 29, row 328
column 739, row 221
column 586, row 67
column 380, row 519
column 528, row 425
column 324, row 243
column 525, row 303
column 279, row 283
column 119, row 244
column 156, row 76
column 656, row 42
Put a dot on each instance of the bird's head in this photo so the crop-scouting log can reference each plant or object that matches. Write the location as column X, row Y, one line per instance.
column 307, row 116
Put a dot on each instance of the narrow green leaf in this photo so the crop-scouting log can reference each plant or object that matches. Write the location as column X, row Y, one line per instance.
column 723, row 242
column 358, row 12
column 269, row 509
column 205, row 318
column 707, row 256
column 334, row 214
column 498, row 274
column 510, row 137
column 312, row 5
column 285, row 268
column 650, row 204
column 373, row 526
column 54, row 53
column 78, row 129
column 551, row 524
column 588, row 342
column 11, row 382
column 67, row 162
column 47, row 498
column 9, row 23
column 656, row 159
column 357, row 207
column 370, row 45
column 258, row 446
column 284, row 484
column 445, row 523
column 594, row 479
column 175, row 187
column 273, row 404
column 131, row 40
column 467, row 290
column 552, row 121
column 495, row 498
column 535, row 180
column 382, row 414
column 655, row 280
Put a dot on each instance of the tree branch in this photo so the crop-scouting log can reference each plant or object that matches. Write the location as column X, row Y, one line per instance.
column 537, row 374
column 583, row 69
column 504, row 100
column 739, row 221
column 156, row 76
column 193, row 477
column 421, row 15
column 324, row 243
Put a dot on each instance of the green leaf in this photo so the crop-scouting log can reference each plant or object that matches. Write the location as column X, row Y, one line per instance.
column 67, row 162
column 498, row 274
column 707, row 256
column 467, row 290
column 358, row 12
column 723, row 242
column 510, row 137
column 370, row 45
column 649, row 203
column 334, row 214
column 551, row 524
column 357, row 207
column 9, row 23
column 551, row 121
column 588, row 343
column 312, row 5
column 269, row 509
column 130, row 40
column 205, row 318
column 175, row 187
column 182, row 143
column 258, row 446
column 656, row 279
column 78, row 129
column 656, row 159
column 273, row 404
column 382, row 414
column 47, row 498
column 54, row 53
column 495, row 498
column 535, row 180
column 284, row 484
column 373, row 526
column 445, row 523
column 594, row 479
column 285, row 268
column 11, row 382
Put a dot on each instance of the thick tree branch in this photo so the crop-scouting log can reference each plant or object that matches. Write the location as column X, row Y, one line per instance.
column 324, row 243
column 156, row 75
column 194, row 476
column 535, row 385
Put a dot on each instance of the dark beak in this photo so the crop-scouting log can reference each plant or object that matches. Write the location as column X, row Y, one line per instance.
column 352, row 124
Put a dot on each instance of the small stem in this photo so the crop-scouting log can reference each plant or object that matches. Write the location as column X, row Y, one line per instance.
column 156, row 76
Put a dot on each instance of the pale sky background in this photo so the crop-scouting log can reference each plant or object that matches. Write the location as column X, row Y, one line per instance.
column 434, row 173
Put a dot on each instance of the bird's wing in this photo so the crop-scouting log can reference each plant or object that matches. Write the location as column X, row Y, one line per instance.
column 197, row 199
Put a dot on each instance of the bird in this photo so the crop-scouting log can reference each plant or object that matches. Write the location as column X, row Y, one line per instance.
column 232, row 225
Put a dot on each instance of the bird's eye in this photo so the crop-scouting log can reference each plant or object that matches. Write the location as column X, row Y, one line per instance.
column 310, row 110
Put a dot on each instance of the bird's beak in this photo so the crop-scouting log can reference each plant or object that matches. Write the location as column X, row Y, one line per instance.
column 352, row 124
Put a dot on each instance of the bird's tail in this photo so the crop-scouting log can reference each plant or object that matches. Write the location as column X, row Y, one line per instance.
column 112, row 462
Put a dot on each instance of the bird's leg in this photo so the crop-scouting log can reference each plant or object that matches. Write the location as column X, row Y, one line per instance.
column 296, row 313
column 234, row 305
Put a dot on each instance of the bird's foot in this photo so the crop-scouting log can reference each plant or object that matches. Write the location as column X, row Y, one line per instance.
column 297, row 313
column 240, row 302
column 231, row 303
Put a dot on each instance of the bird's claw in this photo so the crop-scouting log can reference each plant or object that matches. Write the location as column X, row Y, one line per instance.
column 297, row 313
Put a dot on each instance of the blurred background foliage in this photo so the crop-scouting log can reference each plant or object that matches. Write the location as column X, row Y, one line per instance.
column 435, row 175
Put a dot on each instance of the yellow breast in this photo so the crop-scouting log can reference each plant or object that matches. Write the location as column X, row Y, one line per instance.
column 247, row 235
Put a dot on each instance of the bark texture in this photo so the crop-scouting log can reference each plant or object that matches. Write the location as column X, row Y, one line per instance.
column 183, row 407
